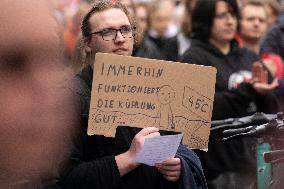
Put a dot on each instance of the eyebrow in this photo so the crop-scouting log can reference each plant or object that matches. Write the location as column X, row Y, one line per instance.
column 115, row 28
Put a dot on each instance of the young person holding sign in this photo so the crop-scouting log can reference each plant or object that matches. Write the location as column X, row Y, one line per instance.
column 102, row 162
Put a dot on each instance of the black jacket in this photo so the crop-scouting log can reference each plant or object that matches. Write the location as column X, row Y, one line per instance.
column 148, row 49
column 274, row 40
column 232, row 99
column 168, row 47
column 92, row 163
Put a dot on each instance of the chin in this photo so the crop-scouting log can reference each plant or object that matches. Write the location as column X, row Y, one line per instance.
column 229, row 37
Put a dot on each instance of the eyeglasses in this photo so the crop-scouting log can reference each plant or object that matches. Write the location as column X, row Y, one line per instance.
column 109, row 34
column 225, row 16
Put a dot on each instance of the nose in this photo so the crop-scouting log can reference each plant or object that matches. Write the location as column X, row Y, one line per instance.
column 119, row 37
column 231, row 19
column 256, row 22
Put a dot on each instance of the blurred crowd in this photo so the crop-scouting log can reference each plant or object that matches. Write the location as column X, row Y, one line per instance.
column 164, row 29
column 243, row 39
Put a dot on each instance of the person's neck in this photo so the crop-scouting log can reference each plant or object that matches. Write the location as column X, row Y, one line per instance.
column 252, row 44
column 223, row 46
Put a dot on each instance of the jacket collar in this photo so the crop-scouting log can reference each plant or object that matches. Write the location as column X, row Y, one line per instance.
column 208, row 46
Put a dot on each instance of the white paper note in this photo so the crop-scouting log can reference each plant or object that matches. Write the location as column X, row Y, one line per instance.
column 158, row 149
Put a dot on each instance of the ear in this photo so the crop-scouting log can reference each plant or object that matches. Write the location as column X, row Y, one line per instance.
column 87, row 42
column 88, row 49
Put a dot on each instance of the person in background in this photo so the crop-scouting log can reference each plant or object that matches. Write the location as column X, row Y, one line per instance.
column 252, row 30
column 162, row 30
column 183, row 37
column 142, row 18
column 143, row 47
column 72, row 29
column 214, row 24
column 253, row 25
column 162, row 18
column 274, row 40
column 273, row 10
column 103, row 162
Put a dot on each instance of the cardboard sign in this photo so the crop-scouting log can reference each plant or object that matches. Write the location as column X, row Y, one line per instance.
column 141, row 92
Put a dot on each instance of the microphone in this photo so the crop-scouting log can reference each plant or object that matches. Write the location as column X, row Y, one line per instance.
column 263, row 129
column 230, row 132
column 255, row 119
column 252, row 131
column 222, row 122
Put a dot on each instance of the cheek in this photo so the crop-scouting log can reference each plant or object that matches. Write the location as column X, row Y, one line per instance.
column 106, row 47
column 263, row 28
column 215, row 32
column 103, row 46
column 130, row 46
column 216, row 28
column 245, row 27
column 248, row 26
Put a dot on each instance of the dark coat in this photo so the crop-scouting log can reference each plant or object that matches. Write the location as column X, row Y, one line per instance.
column 92, row 162
column 274, row 40
column 230, row 101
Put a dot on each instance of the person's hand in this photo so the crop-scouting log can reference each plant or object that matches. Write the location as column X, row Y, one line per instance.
column 125, row 162
column 171, row 169
column 271, row 65
column 138, row 141
column 259, row 74
column 264, row 88
column 259, row 80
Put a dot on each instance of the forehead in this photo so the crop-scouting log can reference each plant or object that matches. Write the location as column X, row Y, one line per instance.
column 252, row 10
column 110, row 18
column 222, row 6
column 165, row 9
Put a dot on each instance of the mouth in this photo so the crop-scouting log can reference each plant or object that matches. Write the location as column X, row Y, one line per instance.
column 230, row 31
column 256, row 31
column 120, row 51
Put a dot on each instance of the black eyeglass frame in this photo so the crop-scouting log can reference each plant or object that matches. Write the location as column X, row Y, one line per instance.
column 132, row 30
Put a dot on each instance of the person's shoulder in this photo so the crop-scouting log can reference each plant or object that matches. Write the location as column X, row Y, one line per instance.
column 148, row 49
column 276, row 31
column 196, row 53
column 82, row 81
column 172, row 39
column 196, row 47
column 246, row 53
